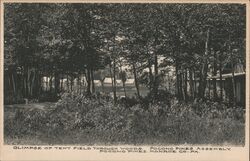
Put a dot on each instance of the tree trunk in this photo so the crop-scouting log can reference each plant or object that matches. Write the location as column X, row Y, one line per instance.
column 136, row 81
column 88, row 82
column 40, row 83
column 13, row 83
column 28, row 82
column 78, row 84
column 156, row 79
column 71, row 83
column 185, row 85
column 215, row 96
column 24, row 86
column 203, row 74
column 233, row 78
column 182, row 86
column 221, row 82
column 24, row 83
column 68, row 82
column 9, row 82
column 124, row 89
column 50, row 83
column 47, row 84
column 61, row 84
column 92, row 81
column 191, row 83
column 114, row 88
column 112, row 81
column 209, row 86
column 57, row 82
column 204, row 82
column 150, row 75
column 102, row 82
column 32, row 84
column 178, row 91
column 233, row 85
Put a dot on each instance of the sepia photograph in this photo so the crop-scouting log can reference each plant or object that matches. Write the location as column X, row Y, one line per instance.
column 124, row 74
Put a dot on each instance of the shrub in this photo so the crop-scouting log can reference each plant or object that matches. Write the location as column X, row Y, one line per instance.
column 96, row 120
column 13, row 98
column 49, row 96
column 128, row 102
column 214, row 110
column 26, row 122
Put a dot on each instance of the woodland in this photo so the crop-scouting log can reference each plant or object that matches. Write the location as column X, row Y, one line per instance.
column 178, row 52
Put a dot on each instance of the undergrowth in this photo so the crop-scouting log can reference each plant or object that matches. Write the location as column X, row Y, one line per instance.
column 78, row 119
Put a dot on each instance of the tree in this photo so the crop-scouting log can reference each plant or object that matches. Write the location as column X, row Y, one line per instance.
column 58, row 40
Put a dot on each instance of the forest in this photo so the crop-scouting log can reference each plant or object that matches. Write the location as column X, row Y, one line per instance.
column 187, row 63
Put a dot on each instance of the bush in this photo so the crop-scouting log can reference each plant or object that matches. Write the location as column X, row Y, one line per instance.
column 161, row 97
column 49, row 96
column 214, row 110
column 94, row 120
column 128, row 102
column 13, row 98
column 26, row 122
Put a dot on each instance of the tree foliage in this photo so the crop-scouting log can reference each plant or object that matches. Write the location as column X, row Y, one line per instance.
column 55, row 40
